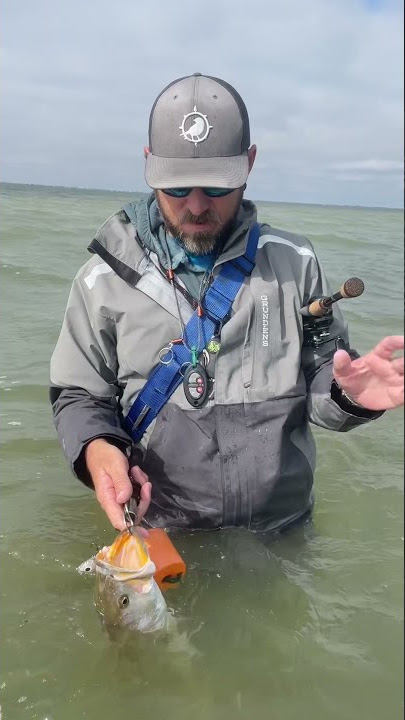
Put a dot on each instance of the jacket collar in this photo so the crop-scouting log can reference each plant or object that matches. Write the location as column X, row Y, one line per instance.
column 146, row 217
column 123, row 239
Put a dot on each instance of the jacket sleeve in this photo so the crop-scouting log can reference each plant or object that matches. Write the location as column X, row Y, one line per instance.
column 325, row 406
column 84, row 389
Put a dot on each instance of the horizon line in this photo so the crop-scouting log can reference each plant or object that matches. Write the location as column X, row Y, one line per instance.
column 142, row 192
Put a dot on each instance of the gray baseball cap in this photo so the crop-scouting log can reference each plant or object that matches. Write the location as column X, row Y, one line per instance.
column 198, row 135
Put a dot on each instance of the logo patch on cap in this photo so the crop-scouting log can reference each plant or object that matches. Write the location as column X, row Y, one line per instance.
column 197, row 125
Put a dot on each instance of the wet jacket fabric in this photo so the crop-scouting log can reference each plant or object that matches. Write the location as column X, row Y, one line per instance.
column 247, row 457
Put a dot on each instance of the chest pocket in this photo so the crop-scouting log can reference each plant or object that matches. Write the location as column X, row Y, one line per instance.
column 272, row 357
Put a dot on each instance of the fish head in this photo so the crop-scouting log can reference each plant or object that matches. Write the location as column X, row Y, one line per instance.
column 126, row 595
column 88, row 567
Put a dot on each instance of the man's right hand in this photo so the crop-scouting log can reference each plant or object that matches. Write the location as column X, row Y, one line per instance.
column 109, row 470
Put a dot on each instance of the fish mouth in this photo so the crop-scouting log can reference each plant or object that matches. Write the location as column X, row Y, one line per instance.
column 126, row 594
column 127, row 560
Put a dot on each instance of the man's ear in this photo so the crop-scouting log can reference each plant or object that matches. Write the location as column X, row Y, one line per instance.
column 146, row 151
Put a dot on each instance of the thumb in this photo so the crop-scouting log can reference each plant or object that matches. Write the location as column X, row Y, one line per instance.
column 342, row 363
column 122, row 487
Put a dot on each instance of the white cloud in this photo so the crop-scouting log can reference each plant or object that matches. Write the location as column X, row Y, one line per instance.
column 323, row 83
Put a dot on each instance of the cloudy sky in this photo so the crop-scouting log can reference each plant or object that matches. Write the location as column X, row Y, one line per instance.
column 322, row 80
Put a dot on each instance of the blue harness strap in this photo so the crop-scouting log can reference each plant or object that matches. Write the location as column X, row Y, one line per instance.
column 168, row 374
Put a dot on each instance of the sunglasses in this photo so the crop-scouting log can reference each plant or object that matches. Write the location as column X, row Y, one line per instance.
column 209, row 192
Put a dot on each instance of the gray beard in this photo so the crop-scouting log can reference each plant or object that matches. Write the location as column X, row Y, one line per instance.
column 202, row 243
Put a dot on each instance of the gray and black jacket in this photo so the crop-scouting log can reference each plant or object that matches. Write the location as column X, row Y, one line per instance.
column 247, row 457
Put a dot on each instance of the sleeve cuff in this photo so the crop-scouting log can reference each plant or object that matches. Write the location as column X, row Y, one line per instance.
column 352, row 408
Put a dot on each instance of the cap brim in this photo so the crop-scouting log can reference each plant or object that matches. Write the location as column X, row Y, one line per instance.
column 226, row 172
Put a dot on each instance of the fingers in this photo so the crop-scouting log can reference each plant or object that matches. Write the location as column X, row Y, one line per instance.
column 108, row 467
column 107, row 496
column 123, row 488
column 398, row 365
column 397, row 396
column 140, row 478
column 138, row 475
column 144, row 501
column 142, row 531
column 117, row 472
column 341, row 363
column 389, row 345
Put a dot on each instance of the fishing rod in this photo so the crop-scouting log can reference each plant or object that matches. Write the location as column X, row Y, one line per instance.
column 353, row 287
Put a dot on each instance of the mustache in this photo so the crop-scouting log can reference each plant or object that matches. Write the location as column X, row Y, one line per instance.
column 205, row 217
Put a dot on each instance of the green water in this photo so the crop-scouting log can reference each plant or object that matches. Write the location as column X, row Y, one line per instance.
column 308, row 625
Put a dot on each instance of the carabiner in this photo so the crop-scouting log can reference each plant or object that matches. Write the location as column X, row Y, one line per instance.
column 130, row 517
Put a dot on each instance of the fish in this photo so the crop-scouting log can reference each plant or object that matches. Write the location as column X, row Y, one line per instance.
column 126, row 595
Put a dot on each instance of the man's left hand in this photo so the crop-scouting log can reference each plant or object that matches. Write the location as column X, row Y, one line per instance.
column 376, row 380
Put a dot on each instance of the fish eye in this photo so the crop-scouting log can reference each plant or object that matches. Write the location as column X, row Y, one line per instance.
column 123, row 601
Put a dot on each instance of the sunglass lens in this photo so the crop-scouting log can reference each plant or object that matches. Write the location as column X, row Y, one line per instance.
column 216, row 192
column 178, row 192
column 209, row 192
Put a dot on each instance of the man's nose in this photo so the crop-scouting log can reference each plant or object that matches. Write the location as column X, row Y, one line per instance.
column 197, row 202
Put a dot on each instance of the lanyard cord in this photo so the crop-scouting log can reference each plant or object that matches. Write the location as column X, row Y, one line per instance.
column 205, row 282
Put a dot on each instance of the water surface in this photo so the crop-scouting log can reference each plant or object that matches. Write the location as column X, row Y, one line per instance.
column 305, row 625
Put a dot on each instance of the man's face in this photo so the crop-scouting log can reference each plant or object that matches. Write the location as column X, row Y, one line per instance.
column 201, row 223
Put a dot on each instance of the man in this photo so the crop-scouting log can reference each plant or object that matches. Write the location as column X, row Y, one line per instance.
column 230, row 444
